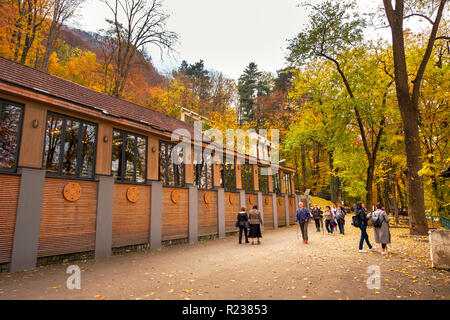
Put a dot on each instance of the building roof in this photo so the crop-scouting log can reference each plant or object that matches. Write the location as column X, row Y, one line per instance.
column 44, row 83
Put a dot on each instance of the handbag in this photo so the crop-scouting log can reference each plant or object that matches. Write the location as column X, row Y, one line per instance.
column 237, row 224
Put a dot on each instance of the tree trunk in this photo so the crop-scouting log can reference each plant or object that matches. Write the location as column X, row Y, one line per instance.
column 416, row 199
column 303, row 155
column 369, row 189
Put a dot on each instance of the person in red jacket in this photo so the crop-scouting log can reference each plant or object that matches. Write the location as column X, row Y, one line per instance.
column 302, row 217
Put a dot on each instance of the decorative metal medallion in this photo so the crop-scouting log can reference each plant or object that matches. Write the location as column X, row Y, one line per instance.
column 231, row 199
column 291, row 200
column 267, row 200
column 279, row 201
column 251, row 200
column 175, row 196
column 207, row 198
column 133, row 194
column 72, row 191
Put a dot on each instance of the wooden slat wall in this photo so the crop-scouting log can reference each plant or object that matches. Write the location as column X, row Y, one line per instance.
column 268, row 212
column 131, row 221
column 207, row 213
column 67, row 227
column 9, row 195
column 231, row 211
column 292, row 210
column 281, row 213
column 175, row 217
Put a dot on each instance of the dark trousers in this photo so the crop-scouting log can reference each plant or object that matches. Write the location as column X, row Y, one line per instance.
column 240, row 234
column 328, row 226
column 304, row 229
column 317, row 221
column 364, row 236
column 341, row 226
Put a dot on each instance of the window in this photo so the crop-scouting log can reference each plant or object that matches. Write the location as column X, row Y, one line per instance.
column 287, row 183
column 247, row 177
column 69, row 148
column 170, row 173
column 129, row 157
column 203, row 169
column 263, row 180
column 10, row 129
column 276, row 183
column 228, row 174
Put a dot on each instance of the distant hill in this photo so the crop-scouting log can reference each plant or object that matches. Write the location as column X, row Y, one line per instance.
column 87, row 41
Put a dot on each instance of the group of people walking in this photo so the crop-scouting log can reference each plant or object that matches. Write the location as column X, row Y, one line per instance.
column 332, row 218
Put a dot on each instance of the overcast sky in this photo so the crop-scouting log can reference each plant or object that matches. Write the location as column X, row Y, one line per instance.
column 227, row 35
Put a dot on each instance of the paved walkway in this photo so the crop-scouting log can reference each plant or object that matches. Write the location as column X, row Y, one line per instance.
column 282, row 267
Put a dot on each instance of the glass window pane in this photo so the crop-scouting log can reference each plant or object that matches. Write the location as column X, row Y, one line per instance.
column 87, row 151
column 170, row 168
column 71, row 138
column 162, row 162
column 52, row 144
column 141, row 159
column 129, row 157
column 117, row 146
column 9, row 135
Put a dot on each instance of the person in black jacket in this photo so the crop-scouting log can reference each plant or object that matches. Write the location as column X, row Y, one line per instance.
column 362, row 217
column 243, row 224
column 317, row 216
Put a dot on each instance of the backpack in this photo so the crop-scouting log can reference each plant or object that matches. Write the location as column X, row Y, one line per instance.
column 377, row 221
column 355, row 221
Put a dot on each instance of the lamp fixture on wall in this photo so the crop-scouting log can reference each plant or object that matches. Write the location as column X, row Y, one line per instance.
column 35, row 123
column 105, row 139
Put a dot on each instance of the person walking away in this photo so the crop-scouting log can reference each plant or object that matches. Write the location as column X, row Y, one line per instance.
column 334, row 222
column 242, row 223
column 381, row 230
column 302, row 217
column 362, row 218
column 340, row 217
column 255, row 220
column 329, row 217
column 317, row 216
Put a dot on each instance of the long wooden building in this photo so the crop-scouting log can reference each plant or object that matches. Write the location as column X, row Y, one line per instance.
column 83, row 172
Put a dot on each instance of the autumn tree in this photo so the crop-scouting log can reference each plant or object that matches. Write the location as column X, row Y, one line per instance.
column 61, row 12
column 135, row 25
column 409, row 95
column 333, row 33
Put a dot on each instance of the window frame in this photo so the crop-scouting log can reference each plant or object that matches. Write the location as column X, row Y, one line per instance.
column 61, row 151
column 122, row 174
column 276, row 190
column 19, row 134
column 251, row 182
column 207, row 166
column 166, row 167
column 226, row 173
column 266, row 181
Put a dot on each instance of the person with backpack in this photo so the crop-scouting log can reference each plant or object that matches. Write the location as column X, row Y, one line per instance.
column 360, row 221
column 302, row 216
column 243, row 224
column 329, row 219
column 317, row 216
column 340, row 217
column 381, row 227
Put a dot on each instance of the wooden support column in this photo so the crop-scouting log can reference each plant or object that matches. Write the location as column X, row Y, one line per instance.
column 32, row 139
column 238, row 168
column 153, row 158
column 282, row 186
column 270, row 179
column 104, row 149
